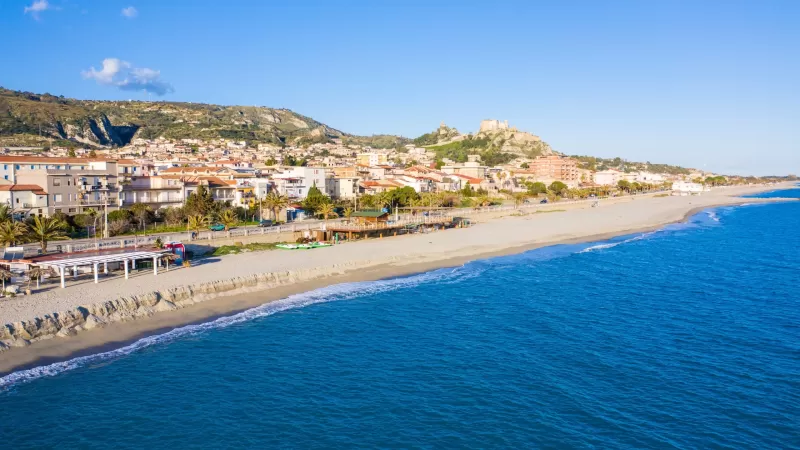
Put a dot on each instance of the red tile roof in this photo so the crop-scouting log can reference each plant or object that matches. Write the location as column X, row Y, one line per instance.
column 35, row 188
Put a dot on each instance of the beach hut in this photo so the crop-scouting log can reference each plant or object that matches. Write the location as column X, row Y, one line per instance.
column 374, row 217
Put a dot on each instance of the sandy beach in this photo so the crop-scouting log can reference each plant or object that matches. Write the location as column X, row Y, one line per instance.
column 357, row 261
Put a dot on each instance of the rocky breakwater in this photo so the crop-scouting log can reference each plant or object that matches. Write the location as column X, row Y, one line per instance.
column 82, row 318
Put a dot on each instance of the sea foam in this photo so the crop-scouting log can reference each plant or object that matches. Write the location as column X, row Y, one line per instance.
column 343, row 291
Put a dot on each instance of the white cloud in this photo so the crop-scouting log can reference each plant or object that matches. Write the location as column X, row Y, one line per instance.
column 126, row 77
column 38, row 6
column 130, row 12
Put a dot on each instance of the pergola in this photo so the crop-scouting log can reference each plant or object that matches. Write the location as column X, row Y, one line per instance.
column 63, row 264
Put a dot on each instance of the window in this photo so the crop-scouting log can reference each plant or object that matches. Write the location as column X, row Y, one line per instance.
column 58, row 210
column 6, row 177
column 57, row 198
column 56, row 181
column 72, row 210
column 31, row 166
column 17, row 199
column 16, row 166
column 5, row 166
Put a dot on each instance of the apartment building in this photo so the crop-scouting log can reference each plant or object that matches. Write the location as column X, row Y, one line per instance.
column 157, row 191
column 472, row 169
column 372, row 159
column 295, row 182
column 72, row 184
column 556, row 168
column 342, row 188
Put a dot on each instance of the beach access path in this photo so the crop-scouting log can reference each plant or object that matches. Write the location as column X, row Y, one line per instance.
column 514, row 232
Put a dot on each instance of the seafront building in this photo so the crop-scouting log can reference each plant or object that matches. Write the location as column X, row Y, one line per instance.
column 163, row 173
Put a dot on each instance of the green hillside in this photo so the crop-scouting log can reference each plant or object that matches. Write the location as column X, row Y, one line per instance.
column 31, row 119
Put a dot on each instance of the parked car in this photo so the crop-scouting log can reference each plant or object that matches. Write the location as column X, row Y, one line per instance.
column 265, row 223
column 544, row 200
column 217, row 227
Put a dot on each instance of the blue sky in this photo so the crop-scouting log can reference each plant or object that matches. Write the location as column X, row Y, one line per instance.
column 707, row 84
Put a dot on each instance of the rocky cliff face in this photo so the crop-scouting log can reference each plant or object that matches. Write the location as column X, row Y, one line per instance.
column 33, row 119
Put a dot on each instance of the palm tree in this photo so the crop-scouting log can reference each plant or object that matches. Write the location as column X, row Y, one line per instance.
column 4, row 213
column 228, row 218
column 326, row 210
column 12, row 232
column 5, row 275
column 384, row 198
column 275, row 203
column 91, row 212
column 196, row 222
column 348, row 212
column 141, row 211
column 483, row 200
column 45, row 229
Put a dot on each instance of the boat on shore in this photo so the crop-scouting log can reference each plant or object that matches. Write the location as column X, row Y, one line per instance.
column 308, row 246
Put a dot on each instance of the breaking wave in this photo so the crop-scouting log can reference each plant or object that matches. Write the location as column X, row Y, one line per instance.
column 606, row 245
column 344, row 291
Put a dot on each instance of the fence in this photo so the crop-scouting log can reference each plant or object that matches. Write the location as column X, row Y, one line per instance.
column 33, row 249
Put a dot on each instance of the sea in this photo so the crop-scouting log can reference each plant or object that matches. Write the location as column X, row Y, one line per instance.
column 683, row 338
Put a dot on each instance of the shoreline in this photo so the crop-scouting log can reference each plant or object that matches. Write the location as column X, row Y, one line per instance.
column 122, row 333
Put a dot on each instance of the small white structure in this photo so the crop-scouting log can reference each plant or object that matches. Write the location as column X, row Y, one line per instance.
column 63, row 265
column 686, row 188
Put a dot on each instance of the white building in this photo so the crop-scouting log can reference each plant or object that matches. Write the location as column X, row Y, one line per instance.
column 686, row 188
column 294, row 182
column 608, row 177
column 343, row 188
column 649, row 177
column 372, row 159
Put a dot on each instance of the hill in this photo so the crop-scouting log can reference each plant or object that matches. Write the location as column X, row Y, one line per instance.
column 34, row 119
column 495, row 142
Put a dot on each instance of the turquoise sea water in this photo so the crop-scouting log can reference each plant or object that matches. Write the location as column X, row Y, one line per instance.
column 687, row 337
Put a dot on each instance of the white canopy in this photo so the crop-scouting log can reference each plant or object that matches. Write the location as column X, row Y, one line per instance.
column 94, row 261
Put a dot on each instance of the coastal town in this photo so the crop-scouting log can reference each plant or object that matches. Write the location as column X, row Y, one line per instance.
column 164, row 173
column 81, row 223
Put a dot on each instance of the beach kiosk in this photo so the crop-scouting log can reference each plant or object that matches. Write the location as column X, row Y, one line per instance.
column 375, row 217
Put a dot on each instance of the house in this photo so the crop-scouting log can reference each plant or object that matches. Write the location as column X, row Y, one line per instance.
column 608, row 177
column 475, row 183
column 24, row 200
column 419, row 184
column 376, row 187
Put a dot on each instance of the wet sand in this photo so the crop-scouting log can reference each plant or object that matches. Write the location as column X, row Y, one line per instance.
column 642, row 215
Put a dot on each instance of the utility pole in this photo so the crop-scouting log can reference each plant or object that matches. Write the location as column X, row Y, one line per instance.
column 105, row 216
